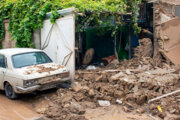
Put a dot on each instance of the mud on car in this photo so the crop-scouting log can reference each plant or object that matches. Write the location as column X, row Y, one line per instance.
column 25, row 70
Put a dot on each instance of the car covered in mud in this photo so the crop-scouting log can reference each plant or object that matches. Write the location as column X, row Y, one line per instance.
column 25, row 70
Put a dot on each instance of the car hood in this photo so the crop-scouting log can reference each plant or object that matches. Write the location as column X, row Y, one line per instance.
column 42, row 70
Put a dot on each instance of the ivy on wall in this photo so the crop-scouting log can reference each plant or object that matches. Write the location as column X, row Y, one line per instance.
column 26, row 16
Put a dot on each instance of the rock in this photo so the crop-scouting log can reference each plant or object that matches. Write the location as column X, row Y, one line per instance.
column 131, row 97
column 135, row 88
column 99, row 78
column 166, row 38
column 41, row 110
column 116, row 76
column 126, row 109
column 172, row 111
column 91, row 92
column 141, row 100
column 162, row 115
column 66, row 105
column 141, row 110
column 77, row 108
column 129, row 106
column 126, row 79
column 128, row 72
column 76, row 86
column 118, row 94
column 76, row 77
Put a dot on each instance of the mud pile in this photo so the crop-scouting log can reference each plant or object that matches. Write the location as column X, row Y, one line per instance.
column 144, row 49
column 130, row 85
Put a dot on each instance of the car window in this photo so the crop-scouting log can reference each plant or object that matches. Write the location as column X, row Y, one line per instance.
column 28, row 59
column 2, row 61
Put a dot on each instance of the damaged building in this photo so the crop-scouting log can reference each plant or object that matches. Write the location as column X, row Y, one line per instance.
column 158, row 38
column 166, row 31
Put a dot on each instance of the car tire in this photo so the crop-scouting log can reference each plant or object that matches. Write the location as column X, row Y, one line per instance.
column 10, row 92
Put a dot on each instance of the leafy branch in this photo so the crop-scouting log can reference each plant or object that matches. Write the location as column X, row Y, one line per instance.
column 26, row 16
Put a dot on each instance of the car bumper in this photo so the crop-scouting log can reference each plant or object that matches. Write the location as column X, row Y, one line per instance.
column 21, row 90
column 27, row 90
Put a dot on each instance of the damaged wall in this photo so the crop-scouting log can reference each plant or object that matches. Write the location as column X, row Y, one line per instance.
column 166, row 27
column 7, row 42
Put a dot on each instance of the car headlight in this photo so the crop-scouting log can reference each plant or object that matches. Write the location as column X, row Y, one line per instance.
column 29, row 83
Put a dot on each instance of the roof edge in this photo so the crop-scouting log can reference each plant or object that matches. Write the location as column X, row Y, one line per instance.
column 62, row 12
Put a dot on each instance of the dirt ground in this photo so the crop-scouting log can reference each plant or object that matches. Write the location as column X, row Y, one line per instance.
column 113, row 113
column 28, row 108
column 16, row 110
column 32, row 107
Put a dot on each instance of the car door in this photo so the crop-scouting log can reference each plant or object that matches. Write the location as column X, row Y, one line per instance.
column 2, row 70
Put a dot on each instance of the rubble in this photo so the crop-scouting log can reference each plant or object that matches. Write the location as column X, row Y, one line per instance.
column 145, row 49
column 130, row 85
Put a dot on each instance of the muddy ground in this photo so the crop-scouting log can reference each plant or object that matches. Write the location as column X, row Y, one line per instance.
column 33, row 106
column 126, row 86
column 16, row 110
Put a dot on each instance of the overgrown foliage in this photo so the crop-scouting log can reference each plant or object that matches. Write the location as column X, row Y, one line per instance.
column 26, row 16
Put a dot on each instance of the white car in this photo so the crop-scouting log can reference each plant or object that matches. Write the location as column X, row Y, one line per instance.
column 24, row 70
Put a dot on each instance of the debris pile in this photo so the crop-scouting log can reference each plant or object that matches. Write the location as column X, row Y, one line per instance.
column 130, row 86
column 145, row 48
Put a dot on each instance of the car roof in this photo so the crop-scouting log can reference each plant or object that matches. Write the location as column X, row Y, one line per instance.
column 14, row 51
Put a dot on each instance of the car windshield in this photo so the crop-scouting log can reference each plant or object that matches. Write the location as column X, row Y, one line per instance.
column 28, row 59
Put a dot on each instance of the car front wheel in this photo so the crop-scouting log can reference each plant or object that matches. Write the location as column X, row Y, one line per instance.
column 10, row 92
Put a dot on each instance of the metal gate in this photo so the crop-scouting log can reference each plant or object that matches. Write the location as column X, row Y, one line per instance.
column 58, row 41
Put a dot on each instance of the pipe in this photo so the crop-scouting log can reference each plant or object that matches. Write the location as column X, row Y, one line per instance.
column 151, row 100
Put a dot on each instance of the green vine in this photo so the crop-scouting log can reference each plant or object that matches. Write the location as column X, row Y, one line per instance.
column 2, row 32
column 26, row 16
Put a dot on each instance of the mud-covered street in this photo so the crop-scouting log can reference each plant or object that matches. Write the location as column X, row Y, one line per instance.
column 28, row 108
column 16, row 109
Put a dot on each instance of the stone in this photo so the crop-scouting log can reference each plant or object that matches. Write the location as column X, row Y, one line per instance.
column 77, row 108
column 99, row 78
column 41, row 110
column 76, row 86
column 141, row 110
column 172, row 111
column 162, row 115
column 116, row 76
column 126, row 109
column 91, row 92
column 128, row 72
